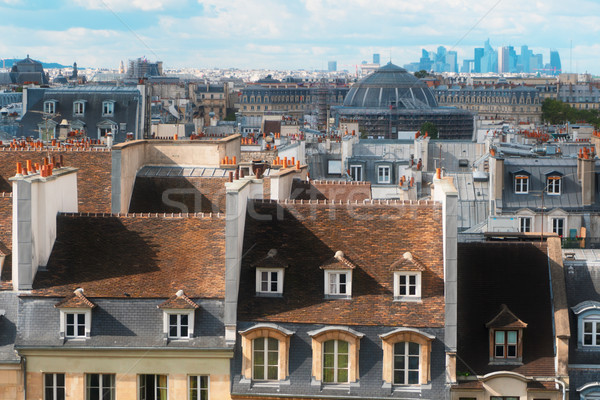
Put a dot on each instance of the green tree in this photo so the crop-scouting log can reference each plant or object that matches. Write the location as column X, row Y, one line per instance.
column 430, row 128
column 421, row 74
column 556, row 112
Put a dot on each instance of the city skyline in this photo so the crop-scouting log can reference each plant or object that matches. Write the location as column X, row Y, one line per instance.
column 299, row 34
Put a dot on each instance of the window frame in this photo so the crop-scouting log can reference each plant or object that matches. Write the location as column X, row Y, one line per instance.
column 553, row 185
column 336, row 360
column 527, row 221
column 265, row 356
column 328, row 284
column 356, row 171
column 505, row 345
column 398, row 275
column 144, row 396
column 100, row 387
column 50, row 107
column 279, row 281
column 322, row 335
column 64, row 324
column 199, row 389
column 594, row 319
column 387, row 178
column 406, row 357
column 521, row 185
column 554, row 221
column 167, row 313
column 108, row 108
column 54, row 386
column 270, row 331
column 79, row 108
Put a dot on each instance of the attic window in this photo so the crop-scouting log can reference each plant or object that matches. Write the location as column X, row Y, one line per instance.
column 269, row 274
column 553, row 184
column 407, row 278
column 506, row 338
column 338, row 276
column 178, row 316
column 75, row 316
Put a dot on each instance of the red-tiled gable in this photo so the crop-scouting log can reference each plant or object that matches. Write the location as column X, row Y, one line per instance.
column 408, row 262
column 93, row 177
column 136, row 257
column 338, row 261
column 178, row 195
column 179, row 302
column 373, row 236
column 75, row 300
column 516, row 274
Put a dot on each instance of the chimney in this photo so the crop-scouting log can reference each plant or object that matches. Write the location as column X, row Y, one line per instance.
column 497, row 179
column 587, row 164
column 36, row 201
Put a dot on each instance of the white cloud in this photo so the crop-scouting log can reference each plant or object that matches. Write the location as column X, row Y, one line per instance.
column 120, row 5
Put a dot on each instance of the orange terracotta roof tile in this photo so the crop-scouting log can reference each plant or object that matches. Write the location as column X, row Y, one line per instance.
column 408, row 262
column 179, row 302
column 338, row 261
column 271, row 260
column 76, row 300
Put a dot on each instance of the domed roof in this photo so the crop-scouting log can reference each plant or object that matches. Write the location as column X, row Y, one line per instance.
column 390, row 86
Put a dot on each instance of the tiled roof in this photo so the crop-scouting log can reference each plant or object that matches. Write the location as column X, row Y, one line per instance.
column 408, row 262
column 505, row 319
column 373, row 236
column 178, row 302
column 136, row 257
column 338, row 261
column 271, row 260
column 491, row 274
column 75, row 300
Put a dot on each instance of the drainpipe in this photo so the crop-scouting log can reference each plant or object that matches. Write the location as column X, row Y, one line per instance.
column 562, row 384
column 24, row 377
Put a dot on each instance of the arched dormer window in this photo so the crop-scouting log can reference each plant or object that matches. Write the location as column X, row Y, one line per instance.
column 265, row 352
column 406, row 357
column 335, row 354
column 588, row 324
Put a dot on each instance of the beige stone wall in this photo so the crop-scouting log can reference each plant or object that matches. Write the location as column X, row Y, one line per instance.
column 11, row 382
column 127, row 365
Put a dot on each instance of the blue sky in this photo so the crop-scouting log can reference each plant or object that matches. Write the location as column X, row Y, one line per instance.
column 292, row 34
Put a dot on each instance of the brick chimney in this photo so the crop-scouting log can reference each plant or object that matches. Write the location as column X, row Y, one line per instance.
column 497, row 179
column 37, row 198
column 587, row 173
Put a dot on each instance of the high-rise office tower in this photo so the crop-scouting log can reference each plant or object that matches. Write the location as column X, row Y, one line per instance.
column 478, row 55
column 555, row 62
column 332, row 66
column 376, row 58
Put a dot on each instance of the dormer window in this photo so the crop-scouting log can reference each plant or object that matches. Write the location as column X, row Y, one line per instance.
column 269, row 274
column 178, row 316
column 79, row 108
column 338, row 276
column 588, row 324
column 506, row 338
column 265, row 351
column 75, row 316
column 108, row 108
column 521, row 184
column 407, row 278
column 50, row 107
column 553, row 184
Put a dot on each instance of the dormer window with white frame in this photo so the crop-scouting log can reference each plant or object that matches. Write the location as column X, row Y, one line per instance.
column 408, row 272
column 79, row 108
column 588, row 324
column 50, row 107
column 178, row 317
column 75, row 316
column 270, row 272
column 338, row 277
column 108, row 108
column 521, row 184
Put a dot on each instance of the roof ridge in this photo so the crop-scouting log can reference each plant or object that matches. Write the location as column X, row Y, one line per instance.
column 348, row 202
column 144, row 215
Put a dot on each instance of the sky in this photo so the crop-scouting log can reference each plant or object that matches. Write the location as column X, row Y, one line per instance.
column 292, row 34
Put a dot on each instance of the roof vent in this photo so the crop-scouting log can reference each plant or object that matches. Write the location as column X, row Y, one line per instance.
column 408, row 256
column 338, row 254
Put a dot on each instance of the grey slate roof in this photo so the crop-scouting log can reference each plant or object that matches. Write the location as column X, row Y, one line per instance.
column 370, row 368
column 118, row 323
column 538, row 168
column 8, row 327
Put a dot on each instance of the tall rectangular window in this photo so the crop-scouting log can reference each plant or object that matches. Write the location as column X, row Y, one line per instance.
column 54, row 386
column 100, row 386
column 524, row 224
column 153, row 387
column 78, row 108
column 335, row 361
column 521, row 184
column 49, row 107
column 108, row 108
column 383, row 174
column 265, row 359
column 406, row 363
column 553, row 185
column 198, row 385
column 558, row 226
column 356, row 172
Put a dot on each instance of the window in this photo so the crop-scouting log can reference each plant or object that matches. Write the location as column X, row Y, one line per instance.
column 524, row 224
column 179, row 326
column 335, row 361
column 553, row 185
column 265, row 359
column 521, row 184
column 591, row 331
column 198, row 387
column 269, row 281
column 100, row 386
column 504, row 398
column 407, row 285
column 79, row 108
column 338, row 283
column 406, row 363
column 50, row 107
column 265, row 349
column 75, row 325
column 558, row 226
column 54, row 386
column 108, row 108
column 505, row 344
column 383, row 174
column 153, row 387
column 356, row 172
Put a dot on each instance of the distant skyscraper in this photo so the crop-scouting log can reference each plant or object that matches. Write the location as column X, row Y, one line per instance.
column 376, row 58
column 425, row 62
column 503, row 59
column 525, row 59
column 332, row 66
column 452, row 61
column 478, row 55
column 555, row 62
